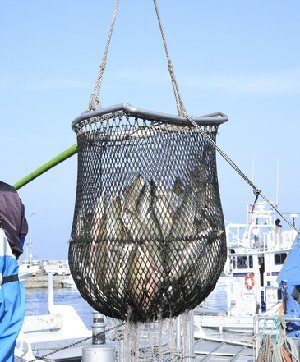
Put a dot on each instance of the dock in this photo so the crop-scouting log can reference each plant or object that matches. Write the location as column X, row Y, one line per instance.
column 40, row 280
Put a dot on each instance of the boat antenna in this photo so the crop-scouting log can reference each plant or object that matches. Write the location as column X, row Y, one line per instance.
column 277, row 181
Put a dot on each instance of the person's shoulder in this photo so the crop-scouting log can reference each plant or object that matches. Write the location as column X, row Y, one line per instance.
column 6, row 187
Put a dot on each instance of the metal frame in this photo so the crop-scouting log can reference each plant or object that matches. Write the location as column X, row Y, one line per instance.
column 216, row 118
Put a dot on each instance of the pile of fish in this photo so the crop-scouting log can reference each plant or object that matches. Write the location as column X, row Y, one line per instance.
column 144, row 244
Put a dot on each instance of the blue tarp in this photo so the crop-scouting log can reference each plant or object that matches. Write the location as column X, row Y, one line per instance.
column 290, row 271
column 290, row 274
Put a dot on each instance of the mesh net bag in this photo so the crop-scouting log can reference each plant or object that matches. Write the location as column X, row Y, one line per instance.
column 148, row 238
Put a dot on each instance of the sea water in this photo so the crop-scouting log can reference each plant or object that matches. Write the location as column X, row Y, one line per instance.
column 37, row 302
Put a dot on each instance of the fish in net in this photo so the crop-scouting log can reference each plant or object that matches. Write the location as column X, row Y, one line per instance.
column 148, row 238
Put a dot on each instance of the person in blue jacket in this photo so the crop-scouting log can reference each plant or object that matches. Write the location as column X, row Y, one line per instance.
column 13, row 228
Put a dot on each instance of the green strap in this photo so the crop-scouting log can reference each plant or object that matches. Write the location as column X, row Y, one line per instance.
column 45, row 167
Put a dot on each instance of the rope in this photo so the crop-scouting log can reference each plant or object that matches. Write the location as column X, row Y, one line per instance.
column 265, row 351
column 256, row 191
column 282, row 349
column 47, row 166
column 95, row 96
column 179, row 102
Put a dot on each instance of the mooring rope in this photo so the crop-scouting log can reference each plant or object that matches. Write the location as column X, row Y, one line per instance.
column 279, row 347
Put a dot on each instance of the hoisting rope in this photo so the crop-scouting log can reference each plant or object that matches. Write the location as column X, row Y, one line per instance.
column 95, row 96
column 179, row 102
column 256, row 191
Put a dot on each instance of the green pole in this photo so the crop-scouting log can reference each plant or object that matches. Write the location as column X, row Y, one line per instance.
column 47, row 166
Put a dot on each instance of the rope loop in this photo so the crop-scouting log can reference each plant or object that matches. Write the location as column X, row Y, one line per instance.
column 180, row 106
column 95, row 102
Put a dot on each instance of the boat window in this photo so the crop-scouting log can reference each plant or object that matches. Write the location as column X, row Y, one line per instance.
column 280, row 258
column 242, row 262
column 250, row 261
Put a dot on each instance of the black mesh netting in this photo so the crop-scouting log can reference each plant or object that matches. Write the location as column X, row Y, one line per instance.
column 148, row 237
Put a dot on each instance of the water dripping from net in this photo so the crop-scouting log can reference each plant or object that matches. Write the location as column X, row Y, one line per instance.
column 165, row 340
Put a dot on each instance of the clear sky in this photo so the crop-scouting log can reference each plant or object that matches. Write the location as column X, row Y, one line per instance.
column 238, row 57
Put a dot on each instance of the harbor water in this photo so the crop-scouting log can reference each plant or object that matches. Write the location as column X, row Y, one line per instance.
column 37, row 302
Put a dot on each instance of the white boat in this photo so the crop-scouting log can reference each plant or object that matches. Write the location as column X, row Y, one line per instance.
column 56, row 268
column 28, row 269
column 53, row 333
column 256, row 253
column 68, row 282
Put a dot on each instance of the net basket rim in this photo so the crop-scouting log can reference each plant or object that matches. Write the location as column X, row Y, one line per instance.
column 211, row 119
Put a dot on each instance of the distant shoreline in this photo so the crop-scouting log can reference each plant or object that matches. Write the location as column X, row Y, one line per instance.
column 41, row 281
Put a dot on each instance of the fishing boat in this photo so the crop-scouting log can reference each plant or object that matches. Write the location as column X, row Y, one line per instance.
column 257, row 251
column 28, row 269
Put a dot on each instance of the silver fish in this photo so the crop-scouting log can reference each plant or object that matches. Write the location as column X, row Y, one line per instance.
column 181, row 259
column 165, row 204
column 97, row 253
column 143, row 206
column 123, row 268
column 178, row 188
column 183, row 223
column 117, row 235
column 133, row 193
column 137, row 214
column 98, row 228
column 115, row 226
column 141, row 278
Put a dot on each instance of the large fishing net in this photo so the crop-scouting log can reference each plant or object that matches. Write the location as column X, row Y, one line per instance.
column 148, row 237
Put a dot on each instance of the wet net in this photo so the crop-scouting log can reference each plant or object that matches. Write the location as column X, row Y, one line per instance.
column 148, row 237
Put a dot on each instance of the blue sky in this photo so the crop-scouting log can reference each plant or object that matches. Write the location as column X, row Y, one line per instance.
column 238, row 57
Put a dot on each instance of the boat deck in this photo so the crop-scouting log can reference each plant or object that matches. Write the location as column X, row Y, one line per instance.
column 206, row 349
column 222, row 350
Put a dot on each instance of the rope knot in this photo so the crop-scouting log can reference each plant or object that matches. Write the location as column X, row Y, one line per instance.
column 256, row 192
